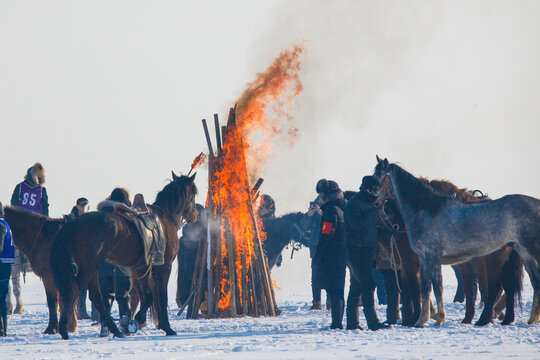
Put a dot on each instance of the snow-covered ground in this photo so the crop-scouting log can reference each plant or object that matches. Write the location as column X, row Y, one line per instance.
column 296, row 334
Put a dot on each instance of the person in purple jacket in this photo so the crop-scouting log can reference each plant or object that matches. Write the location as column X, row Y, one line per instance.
column 7, row 257
column 30, row 195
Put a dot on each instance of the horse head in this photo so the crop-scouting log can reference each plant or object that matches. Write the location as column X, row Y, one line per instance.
column 178, row 197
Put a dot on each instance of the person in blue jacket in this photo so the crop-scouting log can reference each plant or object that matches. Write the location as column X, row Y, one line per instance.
column 7, row 257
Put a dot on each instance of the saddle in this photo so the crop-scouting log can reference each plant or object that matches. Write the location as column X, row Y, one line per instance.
column 149, row 227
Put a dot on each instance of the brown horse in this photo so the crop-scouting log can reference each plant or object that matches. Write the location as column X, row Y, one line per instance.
column 490, row 268
column 33, row 235
column 82, row 245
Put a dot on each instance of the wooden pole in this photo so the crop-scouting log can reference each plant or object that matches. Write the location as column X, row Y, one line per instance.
column 207, row 135
column 218, row 134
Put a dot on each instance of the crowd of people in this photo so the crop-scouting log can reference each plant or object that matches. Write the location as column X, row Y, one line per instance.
column 341, row 232
column 31, row 195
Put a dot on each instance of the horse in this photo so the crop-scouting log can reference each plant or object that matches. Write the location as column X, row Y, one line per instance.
column 83, row 244
column 443, row 230
column 280, row 232
column 502, row 267
column 33, row 235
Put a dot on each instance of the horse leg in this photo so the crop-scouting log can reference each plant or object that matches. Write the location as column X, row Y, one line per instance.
column 500, row 305
column 97, row 300
column 535, row 281
column 438, row 292
column 465, row 271
column 134, row 300
column 407, row 308
column 52, row 304
column 493, row 265
column 160, row 299
column 68, row 320
column 143, row 291
column 425, row 278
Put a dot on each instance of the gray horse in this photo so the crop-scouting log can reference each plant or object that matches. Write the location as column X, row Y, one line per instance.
column 444, row 231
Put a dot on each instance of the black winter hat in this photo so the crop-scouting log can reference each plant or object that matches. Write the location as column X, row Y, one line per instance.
column 369, row 182
column 327, row 187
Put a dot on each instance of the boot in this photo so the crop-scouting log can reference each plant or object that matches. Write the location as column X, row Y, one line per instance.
column 337, row 313
column 316, row 305
column 372, row 320
column 352, row 318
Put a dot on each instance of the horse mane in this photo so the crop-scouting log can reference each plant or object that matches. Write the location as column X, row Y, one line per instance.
column 462, row 195
column 174, row 192
column 418, row 194
column 30, row 215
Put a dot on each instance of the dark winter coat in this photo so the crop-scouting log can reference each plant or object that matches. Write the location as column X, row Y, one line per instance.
column 330, row 258
column 361, row 221
column 15, row 197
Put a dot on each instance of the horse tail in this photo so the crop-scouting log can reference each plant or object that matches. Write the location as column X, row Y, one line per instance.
column 512, row 276
column 64, row 270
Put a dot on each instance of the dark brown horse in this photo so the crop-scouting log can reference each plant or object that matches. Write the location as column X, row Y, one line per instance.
column 33, row 235
column 82, row 245
column 500, row 266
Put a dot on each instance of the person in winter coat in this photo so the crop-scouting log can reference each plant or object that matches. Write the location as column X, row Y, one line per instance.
column 361, row 239
column 187, row 253
column 330, row 254
column 30, row 195
column 80, row 208
column 114, row 283
column 7, row 258
column 311, row 225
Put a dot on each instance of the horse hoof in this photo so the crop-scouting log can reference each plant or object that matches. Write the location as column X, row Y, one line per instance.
column 170, row 332
column 50, row 331
column 481, row 323
column 65, row 336
column 466, row 321
column 119, row 335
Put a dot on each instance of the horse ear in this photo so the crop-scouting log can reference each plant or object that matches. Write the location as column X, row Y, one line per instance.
column 174, row 177
column 385, row 162
column 192, row 178
column 378, row 158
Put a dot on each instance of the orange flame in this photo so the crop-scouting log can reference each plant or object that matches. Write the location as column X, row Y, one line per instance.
column 261, row 115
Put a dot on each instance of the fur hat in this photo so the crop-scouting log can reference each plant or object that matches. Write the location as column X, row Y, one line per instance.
column 36, row 174
column 120, row 195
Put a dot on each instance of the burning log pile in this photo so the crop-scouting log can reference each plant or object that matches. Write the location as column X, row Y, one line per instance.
column 231, row 270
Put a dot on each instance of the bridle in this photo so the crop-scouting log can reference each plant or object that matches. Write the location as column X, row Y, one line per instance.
column 384, row 190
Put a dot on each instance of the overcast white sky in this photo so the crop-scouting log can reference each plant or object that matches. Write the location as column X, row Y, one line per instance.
column 111, row 93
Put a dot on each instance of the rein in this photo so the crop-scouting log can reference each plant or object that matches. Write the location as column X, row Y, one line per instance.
column 392, row 227
column 37, row 237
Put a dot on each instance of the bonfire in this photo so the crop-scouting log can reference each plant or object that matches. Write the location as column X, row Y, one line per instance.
column 231, row 258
